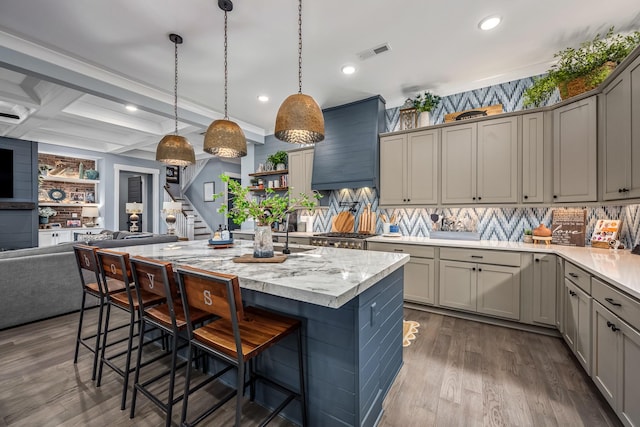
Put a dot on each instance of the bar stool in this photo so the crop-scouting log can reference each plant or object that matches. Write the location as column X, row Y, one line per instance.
column 88, row 270
column 115, row 265
column 157, row 277
column 237, row 338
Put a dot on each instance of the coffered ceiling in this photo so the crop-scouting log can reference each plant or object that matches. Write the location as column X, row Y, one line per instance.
column 70, row 66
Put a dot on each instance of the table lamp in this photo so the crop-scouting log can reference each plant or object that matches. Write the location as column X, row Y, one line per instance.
column 90, row 212
column 134, row 209
column 171, row 209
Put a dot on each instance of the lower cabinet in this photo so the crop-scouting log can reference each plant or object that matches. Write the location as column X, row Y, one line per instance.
column 419, row 272
column 577, row 323
column 482, row 288
column 544, row 289
column 54, row 237
column 560, row 293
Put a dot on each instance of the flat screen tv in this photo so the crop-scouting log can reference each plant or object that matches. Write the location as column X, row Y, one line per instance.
column 6, row 173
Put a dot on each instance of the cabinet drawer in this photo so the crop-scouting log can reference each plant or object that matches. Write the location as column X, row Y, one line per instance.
column 623, row 306
column 480, row 256
column 413, row 250
column 578, row 276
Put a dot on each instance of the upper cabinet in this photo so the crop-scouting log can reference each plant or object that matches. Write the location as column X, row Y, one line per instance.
column 300, row 172
column 532, row 158
column 620, row 132
column 409, row 168
column 480, row 162
column 574, row 152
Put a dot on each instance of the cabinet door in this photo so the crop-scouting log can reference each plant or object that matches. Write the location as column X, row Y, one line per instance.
column 300, row 169
column 605, row 353
column 422, row 168
column 46, row 238
column 629, row 375
column 570, row 315
column 560, row 295
column 617, row 138
column 574, row 152
column 419, row 277
column 307, row 156
column 458, row 285
column 393, row 156
column 578, row 324
column 498, row 291
column 532, row 157
column 497, row 180
column 544, row 289
column 459, row 164
column 634, row 171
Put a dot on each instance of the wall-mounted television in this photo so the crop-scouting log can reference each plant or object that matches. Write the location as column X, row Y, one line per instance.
column 6, row 173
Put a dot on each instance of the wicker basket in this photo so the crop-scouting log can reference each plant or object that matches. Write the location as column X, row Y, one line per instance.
column 580, row 84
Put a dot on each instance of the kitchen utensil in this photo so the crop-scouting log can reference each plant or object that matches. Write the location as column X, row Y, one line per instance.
column 343, row 222
column 383, row 217
column 435, row 218
column 364, row 225
column 393, row 219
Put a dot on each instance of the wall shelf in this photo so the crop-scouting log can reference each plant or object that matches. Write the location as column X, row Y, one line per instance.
column 280, row 172
column 263, row 189
column 67, row 205
column 56, row 178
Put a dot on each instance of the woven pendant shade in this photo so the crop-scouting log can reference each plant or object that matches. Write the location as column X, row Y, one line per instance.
column 299, row 120
column 175, row 150
column 225, row 138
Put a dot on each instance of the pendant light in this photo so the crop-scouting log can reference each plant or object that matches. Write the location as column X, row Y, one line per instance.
column 299, row 119
column 225, row 138
column 175, row 149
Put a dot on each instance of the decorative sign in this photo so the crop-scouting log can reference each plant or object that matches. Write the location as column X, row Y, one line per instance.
column 476, row 112
column 568, row 227
column 173, row 174
column 605, row 232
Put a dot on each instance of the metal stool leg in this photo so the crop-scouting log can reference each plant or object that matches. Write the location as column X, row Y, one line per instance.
column 136, row 376
column 303, row 393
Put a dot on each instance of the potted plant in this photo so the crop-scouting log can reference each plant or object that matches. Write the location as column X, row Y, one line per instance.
column 424, row 103
column 279, row 159
column 45, row 213
column 273, row 208
column 528, row 236
column 582, row 69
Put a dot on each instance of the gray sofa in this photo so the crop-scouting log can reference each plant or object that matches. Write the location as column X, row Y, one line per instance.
column 38, row 283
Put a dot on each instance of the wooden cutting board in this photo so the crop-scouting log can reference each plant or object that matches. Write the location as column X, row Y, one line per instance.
column 343, row 222
column 367, row 222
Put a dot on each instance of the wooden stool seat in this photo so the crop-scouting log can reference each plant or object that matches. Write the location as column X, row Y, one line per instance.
column 259, row 330
column 113, row 286
column 121, row 298
column 162, row 314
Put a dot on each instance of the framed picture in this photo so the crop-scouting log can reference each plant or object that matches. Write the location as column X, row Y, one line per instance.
column 90, row 197
column 55, row 225
column 74, row 223
column 76, row 196
column 173, row 174
column 209, row 191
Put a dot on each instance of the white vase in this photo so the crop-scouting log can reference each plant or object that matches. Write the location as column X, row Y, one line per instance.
column 263, row 242
column 423, row 119
column 280, row 167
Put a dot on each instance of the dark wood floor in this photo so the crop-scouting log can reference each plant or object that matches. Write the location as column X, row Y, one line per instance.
column 456, row 373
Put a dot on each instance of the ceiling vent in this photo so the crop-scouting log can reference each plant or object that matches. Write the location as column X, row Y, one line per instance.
column 12, row 113
column 377, row 50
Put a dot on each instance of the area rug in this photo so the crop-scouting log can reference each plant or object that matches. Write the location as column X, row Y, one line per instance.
column 409, row 331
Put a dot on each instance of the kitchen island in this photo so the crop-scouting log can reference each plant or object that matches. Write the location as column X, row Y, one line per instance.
column 350, row 302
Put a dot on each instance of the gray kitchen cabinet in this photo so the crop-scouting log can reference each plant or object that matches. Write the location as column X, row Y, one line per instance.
column 409, row 168
column 532, row 158
column 300, row 172
column 574, row 152
column 419, row 272
column 577, row 323
column 544, row 289
column 480, row 162
column 621, row 135
column 458, row 285
column 560, row 293
column 498, row 292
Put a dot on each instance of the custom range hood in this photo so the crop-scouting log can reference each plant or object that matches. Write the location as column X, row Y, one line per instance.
column 348, row 156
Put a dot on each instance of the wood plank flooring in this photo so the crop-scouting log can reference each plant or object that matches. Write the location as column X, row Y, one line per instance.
column 456, row 373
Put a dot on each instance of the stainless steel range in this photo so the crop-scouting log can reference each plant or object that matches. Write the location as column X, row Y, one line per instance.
column 341, row 240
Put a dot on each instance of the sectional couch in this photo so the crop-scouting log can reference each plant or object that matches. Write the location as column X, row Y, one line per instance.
column 38, row 283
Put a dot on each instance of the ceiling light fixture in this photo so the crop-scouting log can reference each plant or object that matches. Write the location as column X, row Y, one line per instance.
column 348, row 69
column 263, row 98
column 175, row 149
column 225, row 138
column 299, row 119
column 131, row 107
column 489, row 23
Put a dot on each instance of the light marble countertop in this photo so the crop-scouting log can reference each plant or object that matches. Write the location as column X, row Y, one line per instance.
column 619, row 268
column 324, row 276
column 277, row 233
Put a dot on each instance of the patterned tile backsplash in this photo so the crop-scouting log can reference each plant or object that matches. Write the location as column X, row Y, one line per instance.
column 492, row 223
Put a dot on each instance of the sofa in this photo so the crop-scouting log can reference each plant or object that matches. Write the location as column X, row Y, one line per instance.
column 38, row 283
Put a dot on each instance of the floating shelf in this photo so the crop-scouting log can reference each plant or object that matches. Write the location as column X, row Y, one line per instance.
column 263, row 189
column 281, row 172
column 69, row 179
column 67, row 205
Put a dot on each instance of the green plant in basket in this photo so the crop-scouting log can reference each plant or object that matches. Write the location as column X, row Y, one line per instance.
column 264, row 210
column 279, row 157
column 528, row 232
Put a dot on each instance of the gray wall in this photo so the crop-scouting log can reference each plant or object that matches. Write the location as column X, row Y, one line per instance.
column 270, row 146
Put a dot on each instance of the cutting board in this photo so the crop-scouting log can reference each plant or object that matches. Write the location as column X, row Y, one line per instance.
column 367, row 222
column 343, row 222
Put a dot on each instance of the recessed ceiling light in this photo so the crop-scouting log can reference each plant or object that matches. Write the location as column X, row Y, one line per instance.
column 263, row 98
column 348, row 69
column 131, row 107
column 489, row 23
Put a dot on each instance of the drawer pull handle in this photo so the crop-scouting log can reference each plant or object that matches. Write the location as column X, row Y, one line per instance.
column 613, row 327
column 612, row 302
column 398, row 250
column 574, row 275
column 573, row 294
column 537, row 259
column 477, row 256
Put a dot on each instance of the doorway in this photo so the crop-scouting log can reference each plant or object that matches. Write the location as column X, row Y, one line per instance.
column 149, row 192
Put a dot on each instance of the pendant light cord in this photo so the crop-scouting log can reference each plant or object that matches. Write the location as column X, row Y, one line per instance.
column 175, row 87
column 299, row 46
column 226, row 117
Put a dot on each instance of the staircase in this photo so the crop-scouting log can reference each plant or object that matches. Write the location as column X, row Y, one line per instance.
column 189, row 225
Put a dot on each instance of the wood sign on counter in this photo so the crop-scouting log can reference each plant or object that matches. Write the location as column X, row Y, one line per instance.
column 568, row 227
